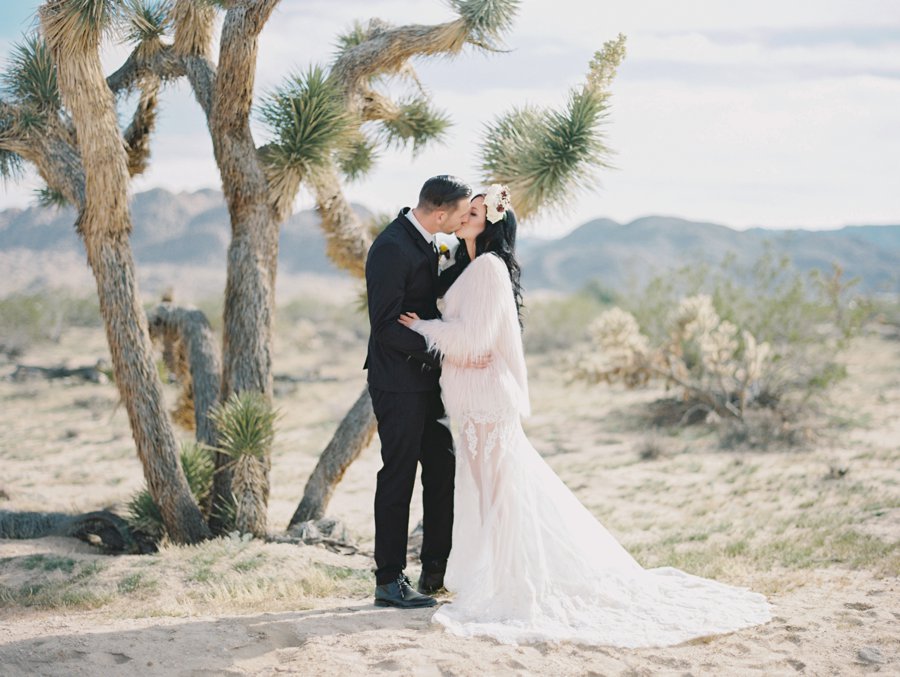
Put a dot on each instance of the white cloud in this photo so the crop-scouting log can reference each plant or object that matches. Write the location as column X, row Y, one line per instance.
column 773, row 113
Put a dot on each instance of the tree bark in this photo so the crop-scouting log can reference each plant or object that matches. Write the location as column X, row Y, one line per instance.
column 105, row 224
column 348, row 238
column 111, row 530
column 252, row 253
column 352, row 436
column 190, row 327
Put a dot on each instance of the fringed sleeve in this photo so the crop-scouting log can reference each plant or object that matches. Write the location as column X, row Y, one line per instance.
column 487, row 302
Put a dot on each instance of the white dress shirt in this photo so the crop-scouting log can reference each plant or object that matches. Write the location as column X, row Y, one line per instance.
column 429, row 237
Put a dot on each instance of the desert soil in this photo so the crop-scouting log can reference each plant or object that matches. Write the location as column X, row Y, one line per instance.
column 815, row 528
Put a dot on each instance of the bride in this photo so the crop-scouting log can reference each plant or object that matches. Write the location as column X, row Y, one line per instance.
column 529, row 562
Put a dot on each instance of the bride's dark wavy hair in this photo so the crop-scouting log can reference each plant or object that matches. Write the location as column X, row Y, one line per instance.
column 498, row 238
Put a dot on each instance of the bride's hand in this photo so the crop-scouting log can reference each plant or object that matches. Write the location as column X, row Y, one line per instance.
column 407, row 319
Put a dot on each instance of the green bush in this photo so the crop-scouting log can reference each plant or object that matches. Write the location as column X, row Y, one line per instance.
column 26, row 318
column 561, row 323
column 197, row 463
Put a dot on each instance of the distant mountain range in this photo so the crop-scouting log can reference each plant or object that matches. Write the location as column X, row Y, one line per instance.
column 192, row 230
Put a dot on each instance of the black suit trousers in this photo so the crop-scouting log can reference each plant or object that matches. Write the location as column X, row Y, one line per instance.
column 412, row 432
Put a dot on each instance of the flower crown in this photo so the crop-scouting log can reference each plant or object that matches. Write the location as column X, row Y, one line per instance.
column 496, row 202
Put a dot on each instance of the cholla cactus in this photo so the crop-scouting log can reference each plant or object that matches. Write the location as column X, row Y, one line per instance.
column 716, row 356
column 712, row 360
column 623, row 353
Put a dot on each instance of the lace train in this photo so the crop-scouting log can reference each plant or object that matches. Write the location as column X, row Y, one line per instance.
column 530, row 563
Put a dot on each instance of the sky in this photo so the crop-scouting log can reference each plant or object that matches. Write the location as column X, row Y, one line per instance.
column 780, row 114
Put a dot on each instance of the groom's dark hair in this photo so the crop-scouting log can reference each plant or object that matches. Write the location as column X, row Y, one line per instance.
column 443, row 190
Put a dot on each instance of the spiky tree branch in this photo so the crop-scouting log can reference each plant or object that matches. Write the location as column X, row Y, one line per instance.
column 347, row 236
column 143, row 122
column 545, row 156
column 236, row 70
column 382, row 49
column 193, row 23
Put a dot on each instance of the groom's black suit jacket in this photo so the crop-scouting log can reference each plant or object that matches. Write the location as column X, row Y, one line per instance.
column 401, row 276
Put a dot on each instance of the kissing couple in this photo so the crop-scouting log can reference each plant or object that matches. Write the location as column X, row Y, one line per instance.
column 528, row 563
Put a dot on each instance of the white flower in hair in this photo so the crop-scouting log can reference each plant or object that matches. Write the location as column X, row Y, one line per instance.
column 496, row 202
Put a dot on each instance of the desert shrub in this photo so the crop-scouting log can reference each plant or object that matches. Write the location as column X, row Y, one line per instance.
column 313, row 322
column 730, row 340
column 560, row 323
column 26, row 318
column 197, row 462
column 246, row 428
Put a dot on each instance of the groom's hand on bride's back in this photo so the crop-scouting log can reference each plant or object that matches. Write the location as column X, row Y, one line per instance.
column 480, row 362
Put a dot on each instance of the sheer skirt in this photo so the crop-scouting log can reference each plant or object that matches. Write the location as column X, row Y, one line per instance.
column 531, row 563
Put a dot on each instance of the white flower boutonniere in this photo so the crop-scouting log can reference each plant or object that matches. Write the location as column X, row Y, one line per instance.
column 446, row 247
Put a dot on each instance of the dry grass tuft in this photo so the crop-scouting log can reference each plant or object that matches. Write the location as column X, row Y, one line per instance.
column 230, row 574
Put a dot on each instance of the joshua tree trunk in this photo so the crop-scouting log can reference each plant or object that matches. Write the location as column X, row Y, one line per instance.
column 186, row 332
column 105, row 224
column 253, row 251
column 352, row 436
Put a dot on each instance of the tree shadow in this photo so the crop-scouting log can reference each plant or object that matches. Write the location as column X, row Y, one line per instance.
column 160, row 648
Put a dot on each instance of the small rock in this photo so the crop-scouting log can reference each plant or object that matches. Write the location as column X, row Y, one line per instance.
column 870, row 654
column 836, row 472
column 799, row 666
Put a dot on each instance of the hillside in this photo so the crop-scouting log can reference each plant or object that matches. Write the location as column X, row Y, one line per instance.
column 38, row 245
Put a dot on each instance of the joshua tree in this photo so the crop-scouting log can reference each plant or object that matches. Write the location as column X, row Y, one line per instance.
column 325, row 127
column 57, row 112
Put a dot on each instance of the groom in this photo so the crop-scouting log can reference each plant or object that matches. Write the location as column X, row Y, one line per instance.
column 402, row 276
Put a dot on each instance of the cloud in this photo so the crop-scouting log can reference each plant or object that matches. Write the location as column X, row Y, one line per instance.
column 773, row 113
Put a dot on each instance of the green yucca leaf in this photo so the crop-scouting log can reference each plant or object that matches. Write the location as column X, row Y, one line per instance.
column 418, row 123
column 357, row 35
column 11, row 165
column 30, row 77
column 486, row 20
column 143, row 514
column 246, row 425
column 198, row 466
column 510, row 136
column 48, row 197
column 545, row 157
column 309, row 121
column 358, row 158
column 147, row 19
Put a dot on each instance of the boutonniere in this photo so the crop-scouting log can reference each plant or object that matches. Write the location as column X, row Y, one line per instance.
column 446, row 253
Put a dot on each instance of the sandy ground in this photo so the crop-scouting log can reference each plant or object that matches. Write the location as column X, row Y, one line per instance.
column 816, row 529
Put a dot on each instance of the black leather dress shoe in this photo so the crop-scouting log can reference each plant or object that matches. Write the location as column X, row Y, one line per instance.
column 430, row 582
column 400, row 594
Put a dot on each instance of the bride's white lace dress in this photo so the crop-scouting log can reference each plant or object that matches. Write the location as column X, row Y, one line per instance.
column 529, row 562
